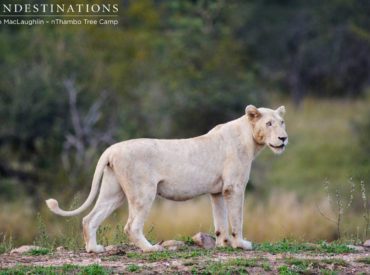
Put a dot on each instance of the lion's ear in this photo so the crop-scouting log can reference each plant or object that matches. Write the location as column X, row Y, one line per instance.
column 252, row 113
column 281, row 111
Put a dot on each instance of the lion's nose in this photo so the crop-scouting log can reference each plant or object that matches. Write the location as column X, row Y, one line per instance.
column 282, row 138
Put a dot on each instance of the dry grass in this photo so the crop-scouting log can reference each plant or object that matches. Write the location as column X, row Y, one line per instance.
column 17, row 220
column 283, row 215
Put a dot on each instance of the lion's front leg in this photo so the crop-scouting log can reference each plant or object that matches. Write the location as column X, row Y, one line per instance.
column 220, row 220
column 234, row 198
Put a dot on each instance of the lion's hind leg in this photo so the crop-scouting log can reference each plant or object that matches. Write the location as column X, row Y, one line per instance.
column 110, row 198
column 139, row 206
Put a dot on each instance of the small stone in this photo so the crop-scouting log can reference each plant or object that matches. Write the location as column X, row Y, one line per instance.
column 356, row 248
column 25, row 249
column 204, row 240
column 172, row 244
column 115, row 249
column 111, row 248
column 367, row 243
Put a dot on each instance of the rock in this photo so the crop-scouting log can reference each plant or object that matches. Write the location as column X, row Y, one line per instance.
column 367, row 243
column 204, row 240
column 25, row 249
column 115, row 249
column 61, row 249
column 111, row 248
column 172, row 244
column 356, row 248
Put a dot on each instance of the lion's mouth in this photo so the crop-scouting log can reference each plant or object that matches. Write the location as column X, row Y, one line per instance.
column 278, row 147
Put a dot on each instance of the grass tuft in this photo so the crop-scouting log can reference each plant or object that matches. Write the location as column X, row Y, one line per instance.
column 286, row 246
column 6, row 243
column 38, row 252
column 51, row 270
column 365, row 260
column 133, row 268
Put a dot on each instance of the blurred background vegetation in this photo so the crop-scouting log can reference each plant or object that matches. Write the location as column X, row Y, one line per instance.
column 176, row 69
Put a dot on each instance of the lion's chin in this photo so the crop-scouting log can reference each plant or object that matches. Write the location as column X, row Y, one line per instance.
column 277, row 149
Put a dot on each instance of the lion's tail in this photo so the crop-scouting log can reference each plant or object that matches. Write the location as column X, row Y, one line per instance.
column 53, row 204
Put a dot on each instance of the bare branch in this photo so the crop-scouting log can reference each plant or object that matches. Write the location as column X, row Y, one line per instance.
column 324, row 215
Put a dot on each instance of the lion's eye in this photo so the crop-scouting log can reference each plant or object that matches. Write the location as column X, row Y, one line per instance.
column 269, row 123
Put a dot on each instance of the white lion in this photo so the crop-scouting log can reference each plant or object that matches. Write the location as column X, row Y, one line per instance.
column 217, row 163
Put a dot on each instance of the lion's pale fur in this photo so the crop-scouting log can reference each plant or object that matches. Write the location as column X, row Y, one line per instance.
column 217, row 163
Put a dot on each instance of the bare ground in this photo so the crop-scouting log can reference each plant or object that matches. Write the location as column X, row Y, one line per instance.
column 126, row 259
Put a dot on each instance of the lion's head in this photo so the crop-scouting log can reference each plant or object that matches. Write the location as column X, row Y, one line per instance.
column 268, row 127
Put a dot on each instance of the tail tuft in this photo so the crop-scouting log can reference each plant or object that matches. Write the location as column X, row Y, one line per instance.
column 52, row 204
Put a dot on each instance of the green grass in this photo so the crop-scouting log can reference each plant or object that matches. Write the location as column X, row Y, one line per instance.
column 235, row 266
column 94, row 270
column 302, row 265
column 232, row 266
column 187, row 240
column 266, row 266
column 306, row 264
column 282, row 247
column 286, row 246
column 65, row 269
column 39, row 252
column 133, row 268
column 182, row 253
column 329, row 272
column 336, row 262
column 334, row 248
column 166, row 254
column 274, row 248
column 285, row 270
column 310, row 266
column 243, row 262
column 295, row 270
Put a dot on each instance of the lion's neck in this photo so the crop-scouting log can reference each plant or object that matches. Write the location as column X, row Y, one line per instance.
column 242, row 132
column 258, row 148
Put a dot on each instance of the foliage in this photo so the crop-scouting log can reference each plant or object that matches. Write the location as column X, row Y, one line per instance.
column 312, row 46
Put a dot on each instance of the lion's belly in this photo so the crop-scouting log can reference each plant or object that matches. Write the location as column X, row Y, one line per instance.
column 182, row 189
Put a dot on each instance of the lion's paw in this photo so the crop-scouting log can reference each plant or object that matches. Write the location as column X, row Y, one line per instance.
column 153, row 248
column 97, row 249
column 246, row 245
column 223, row 242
